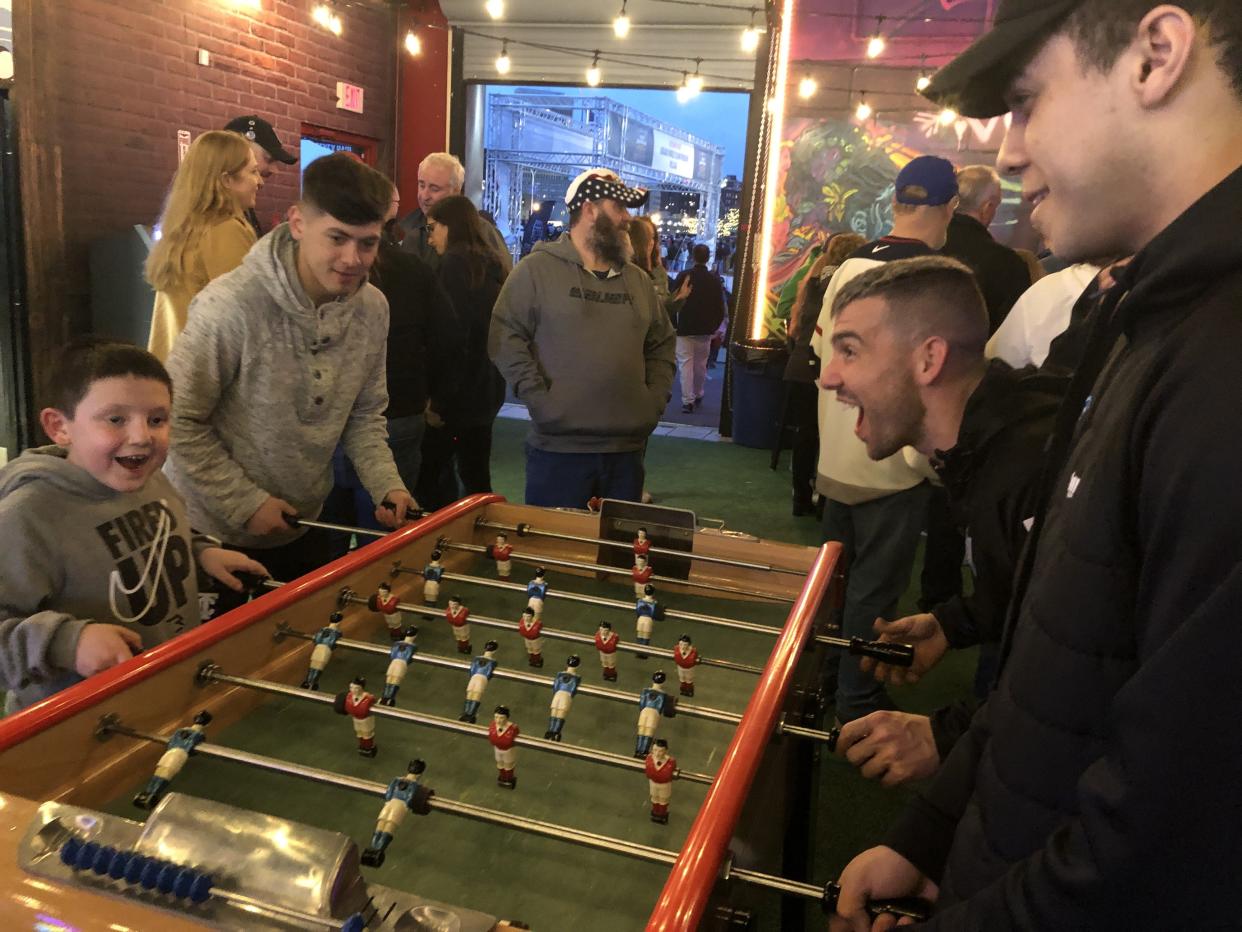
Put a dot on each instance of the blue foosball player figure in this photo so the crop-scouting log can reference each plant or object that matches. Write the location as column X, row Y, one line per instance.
column 481, row 670
column 537, row 591
column 646, row 611
column 325, row 643
column 180, row 746
column 564, row 687
column 398, row 664
column 433, row 574
column 405, row 794
column 653, row 703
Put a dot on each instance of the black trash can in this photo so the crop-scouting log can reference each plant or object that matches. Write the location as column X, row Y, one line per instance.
column 758, row 377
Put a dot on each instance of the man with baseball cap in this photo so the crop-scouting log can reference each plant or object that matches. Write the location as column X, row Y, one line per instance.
column 267, row 152
column 1098, row 787
column 578, row 332
column 877, row 510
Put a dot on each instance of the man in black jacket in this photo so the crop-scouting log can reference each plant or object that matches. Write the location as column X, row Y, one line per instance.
column 698, row 319
column 1098, row 786
column 1002, row 273
column 908, row 340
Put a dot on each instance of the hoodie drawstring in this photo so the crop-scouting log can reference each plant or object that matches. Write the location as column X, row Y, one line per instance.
column 163, row 531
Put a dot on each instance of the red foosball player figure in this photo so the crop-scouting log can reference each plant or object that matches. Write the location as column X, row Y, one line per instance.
column 503, row 734
column 660, row 768
column 642, row 546
column 356, row 702
column 501, row 552
column 385, row 603
column 686, row 656
column 458, row 616
column 531, row 628
column 641, row 574
column 606, row 643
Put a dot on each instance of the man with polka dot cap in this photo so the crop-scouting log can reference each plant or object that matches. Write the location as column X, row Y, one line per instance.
column 579, row 335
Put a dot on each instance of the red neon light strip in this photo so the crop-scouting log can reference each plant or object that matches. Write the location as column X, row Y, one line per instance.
column 684, row 897
column 96, row 689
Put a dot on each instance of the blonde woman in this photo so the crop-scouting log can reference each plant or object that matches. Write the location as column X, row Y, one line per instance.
column 203, row 229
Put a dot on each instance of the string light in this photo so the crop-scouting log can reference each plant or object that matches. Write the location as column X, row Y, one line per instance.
column 323, row 16
column 750, row 35
column 695, row 81
column 502, row 60
column 592, row 74
column 876, row 44
column 924, row 81
column 412, row 43
column 495, row 8
column 864, row 110
column 684, row 93
column 947, row 117
column 807, row 87
column 621, row 25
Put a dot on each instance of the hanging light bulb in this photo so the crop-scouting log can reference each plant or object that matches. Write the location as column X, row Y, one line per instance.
column 592, row 74
column 621, row 25
column 495, row 8
column 413, row 44
column 876, row 44
column 807, row 87
column 750, row 35
column 695, row 81
column 923, row 83
column 334, row 26
column 684, row 93
column 947, row 117
column 321, row 15
column 864, row 111
column 502, row 60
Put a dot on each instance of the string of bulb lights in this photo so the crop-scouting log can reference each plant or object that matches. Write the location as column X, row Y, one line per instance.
column 693, row 82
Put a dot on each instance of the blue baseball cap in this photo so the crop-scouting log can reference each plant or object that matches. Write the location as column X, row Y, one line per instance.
column 928, row 181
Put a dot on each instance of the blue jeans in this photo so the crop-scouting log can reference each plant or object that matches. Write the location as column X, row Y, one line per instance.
column 569, row 480
column 879, row 538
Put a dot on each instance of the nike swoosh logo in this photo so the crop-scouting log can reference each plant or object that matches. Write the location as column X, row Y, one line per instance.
column 879, row 248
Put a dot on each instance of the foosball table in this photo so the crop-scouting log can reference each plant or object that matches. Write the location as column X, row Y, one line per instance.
column 496, row 717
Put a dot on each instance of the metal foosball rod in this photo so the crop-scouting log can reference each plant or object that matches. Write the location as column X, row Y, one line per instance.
column 825, row 895
column 209, row 673
column 445, row 543
column 554, row 634
column 900, row 655
column 525, row 530
column 518, row 676
column 828, row 738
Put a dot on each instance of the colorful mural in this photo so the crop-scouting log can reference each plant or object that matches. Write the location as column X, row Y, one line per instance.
column 837, row 174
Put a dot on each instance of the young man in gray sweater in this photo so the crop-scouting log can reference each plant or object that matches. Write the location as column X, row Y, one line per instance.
column 578, row 332
column 282, row 359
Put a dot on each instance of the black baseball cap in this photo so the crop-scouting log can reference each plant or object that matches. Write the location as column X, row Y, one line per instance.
column 257, row 129
column 974, row 83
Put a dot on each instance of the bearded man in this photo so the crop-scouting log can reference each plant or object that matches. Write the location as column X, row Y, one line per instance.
column 579, row 334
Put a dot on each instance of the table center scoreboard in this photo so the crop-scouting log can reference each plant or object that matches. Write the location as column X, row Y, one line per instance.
column 496, row 717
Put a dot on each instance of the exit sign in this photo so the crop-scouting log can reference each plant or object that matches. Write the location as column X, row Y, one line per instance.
column 348, row 97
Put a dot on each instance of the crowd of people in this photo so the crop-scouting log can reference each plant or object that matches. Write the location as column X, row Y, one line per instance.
column 1066, row 438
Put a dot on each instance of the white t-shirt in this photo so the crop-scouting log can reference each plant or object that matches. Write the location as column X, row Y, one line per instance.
column 1040, row 316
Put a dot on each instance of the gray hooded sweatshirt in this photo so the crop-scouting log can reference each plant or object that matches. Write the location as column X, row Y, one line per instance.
column 266, row 385
column 592, row 359
column 77, row 551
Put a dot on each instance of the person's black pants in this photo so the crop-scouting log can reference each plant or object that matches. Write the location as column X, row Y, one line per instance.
column 803, row 416
column 456, row 462
column 285, row 563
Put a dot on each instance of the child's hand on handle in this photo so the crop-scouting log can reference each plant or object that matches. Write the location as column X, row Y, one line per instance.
column 270, row 518
column 101, row 647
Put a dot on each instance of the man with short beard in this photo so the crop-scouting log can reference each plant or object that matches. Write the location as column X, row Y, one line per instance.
column 877, row 508
column 578, row 332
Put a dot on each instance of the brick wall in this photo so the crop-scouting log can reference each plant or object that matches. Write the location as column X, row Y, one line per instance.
column 104, row 85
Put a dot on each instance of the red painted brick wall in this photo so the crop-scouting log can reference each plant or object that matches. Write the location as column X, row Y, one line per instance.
column 130, row 80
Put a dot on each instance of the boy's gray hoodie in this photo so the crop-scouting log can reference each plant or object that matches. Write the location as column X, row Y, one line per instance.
column 265, row 385
column 69, row 541
column 592, row 359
